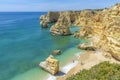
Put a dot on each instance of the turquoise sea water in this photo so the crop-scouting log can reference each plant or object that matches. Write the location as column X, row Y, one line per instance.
column 23, row 44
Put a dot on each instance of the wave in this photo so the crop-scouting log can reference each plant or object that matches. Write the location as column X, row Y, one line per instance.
column 69, row 66
column 7, row 21
column 64, row 70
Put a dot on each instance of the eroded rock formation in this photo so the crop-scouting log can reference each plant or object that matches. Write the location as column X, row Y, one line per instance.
column 51, row 65
column 104, row 30
column 86, row 46
column 48, row 18
column 64, row 20
column 101, row 26
column 61, row 27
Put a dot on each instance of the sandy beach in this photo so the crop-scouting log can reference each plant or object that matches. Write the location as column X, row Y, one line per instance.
column 86, row 60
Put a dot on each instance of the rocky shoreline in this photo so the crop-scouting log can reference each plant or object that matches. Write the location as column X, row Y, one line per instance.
column 102, row 27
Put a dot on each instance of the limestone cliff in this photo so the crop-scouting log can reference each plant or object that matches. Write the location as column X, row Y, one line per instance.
column 104, row 30
column 48, row 18
column 64, row 20
column 101, row 26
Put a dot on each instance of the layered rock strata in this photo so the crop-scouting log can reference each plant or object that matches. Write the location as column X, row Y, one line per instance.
column 101, row 26
column 104, row 30
column 86, row 46
column 51, row 17
column 64, row 21
column 51, row 65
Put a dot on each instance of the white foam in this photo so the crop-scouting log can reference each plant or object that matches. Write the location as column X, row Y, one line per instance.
column 69, row 66
column 51, row 77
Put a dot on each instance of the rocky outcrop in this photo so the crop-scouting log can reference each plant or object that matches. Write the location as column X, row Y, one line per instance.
column 56, row 52
column 44, row 21
column 62, row 26
column 101, row 26
column 104, row 30
column 51, row 65
column 48, row 18
column 86, row 46
column 63, row 21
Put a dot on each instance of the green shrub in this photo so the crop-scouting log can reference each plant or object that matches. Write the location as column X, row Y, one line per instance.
column 102, row 71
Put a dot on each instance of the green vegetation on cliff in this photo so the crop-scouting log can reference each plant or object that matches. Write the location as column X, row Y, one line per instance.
column 102, row 71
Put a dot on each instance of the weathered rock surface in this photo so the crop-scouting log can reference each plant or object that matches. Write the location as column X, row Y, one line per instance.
column 86, row 46
column 48, row 18
column 62, row 26
column 104, row 30
column 44, row 21
column 51, row 65
column 101, row 26
column 63, row 21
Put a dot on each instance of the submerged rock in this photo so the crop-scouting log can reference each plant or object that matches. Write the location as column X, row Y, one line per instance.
column 51, row 65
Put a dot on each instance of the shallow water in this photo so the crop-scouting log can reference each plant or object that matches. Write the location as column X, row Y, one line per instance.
column 23, row 44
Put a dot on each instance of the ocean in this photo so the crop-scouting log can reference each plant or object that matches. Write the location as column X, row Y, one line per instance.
column 24, row 44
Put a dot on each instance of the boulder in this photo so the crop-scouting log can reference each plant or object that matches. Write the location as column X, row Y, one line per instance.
column 51, row 65
column 86, row 46
column 56, row 52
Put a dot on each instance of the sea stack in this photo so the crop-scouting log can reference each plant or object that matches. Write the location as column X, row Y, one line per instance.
column 51, row 65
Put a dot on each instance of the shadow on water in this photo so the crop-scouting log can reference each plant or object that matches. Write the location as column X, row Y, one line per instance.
column 60, row 73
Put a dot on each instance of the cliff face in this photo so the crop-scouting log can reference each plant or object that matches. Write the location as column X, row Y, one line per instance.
column 104, row 30
column 110, row 40
column 49, row 18
column 102, row 27
column 63, row 21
